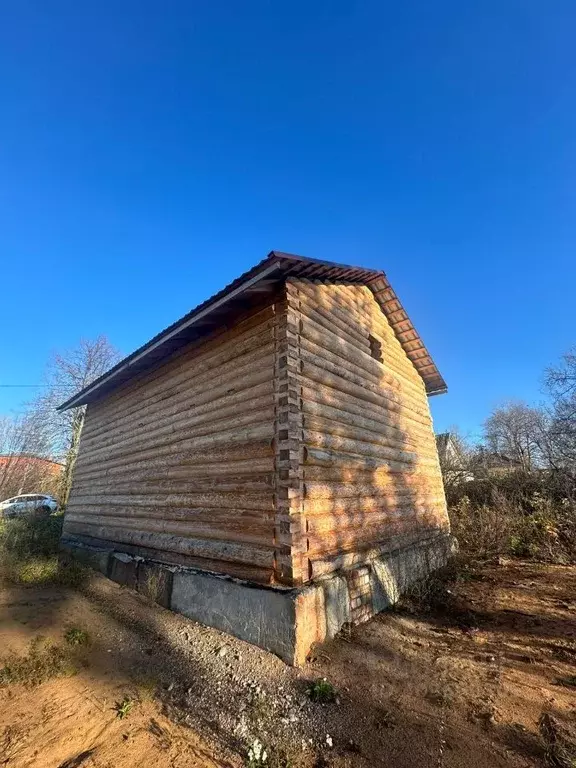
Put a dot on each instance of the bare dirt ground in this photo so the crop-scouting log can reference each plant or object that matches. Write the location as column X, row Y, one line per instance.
column 463, row 687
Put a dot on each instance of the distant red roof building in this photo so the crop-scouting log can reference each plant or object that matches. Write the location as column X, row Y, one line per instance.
column 26, row 473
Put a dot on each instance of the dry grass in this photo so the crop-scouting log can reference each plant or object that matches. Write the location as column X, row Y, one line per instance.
column 43, row 662
column 537, row 524
column 29, row 553
column 559, row 742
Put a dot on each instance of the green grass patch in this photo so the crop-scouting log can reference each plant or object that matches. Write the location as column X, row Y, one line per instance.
column 124, row 707
column 75, row 636
column 34, row 571
column 321, row 690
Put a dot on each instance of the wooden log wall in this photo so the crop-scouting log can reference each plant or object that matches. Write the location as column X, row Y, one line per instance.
column 369, row 476
column 179, row 464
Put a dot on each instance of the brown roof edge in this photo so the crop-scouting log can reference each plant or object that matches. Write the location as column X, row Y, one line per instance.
column 277, row 265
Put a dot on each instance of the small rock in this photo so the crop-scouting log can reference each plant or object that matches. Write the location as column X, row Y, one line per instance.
column 223, row 651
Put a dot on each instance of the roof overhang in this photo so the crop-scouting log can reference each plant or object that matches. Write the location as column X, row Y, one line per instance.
column 249, row 289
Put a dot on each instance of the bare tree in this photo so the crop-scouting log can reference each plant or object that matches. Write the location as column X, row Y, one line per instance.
column 515, row 432
column 561, row 443
column 68, row 373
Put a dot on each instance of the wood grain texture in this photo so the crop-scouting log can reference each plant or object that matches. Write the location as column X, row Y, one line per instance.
column 370, row 471
column 181, row 463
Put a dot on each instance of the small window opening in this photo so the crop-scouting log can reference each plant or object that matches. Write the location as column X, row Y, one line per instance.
column 376, row 348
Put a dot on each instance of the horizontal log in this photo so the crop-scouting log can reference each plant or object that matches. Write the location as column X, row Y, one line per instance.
column 353, row 474
column 316, row 489
column 336, row 429
column 324, row 342
column 214, row 550
column 250, row 433
column 319, row 457
column 317, row 439
column 323, row 395
column 262, row 501
column 362, row 391
column 357, row 379
column 354, row 519
column 371, row 322
column 258, row 369
column 227, row 531
column 379, row 324
column 189, row 455
column 219, row 515
column 204, row 406
column 346, row 307
column 369, row 504
column 175, row 376
column 328, row 524
column 187, row 419
column 128, row 485
column 355, row 301
column 164, row 470
column 309, row 308
column 311, row 353
column 172, row 397
column 408, row 437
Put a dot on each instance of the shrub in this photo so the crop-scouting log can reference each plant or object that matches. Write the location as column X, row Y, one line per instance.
column 515, row 515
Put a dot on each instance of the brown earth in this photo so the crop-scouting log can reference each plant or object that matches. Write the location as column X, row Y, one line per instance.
column 463, row 685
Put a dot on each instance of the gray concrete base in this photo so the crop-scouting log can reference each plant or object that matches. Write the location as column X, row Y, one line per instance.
column 263, row 617
column 286, row 622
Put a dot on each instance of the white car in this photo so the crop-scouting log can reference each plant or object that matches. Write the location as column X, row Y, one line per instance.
column 19, row 506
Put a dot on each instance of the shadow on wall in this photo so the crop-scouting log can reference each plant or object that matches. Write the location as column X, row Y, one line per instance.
column 373, row 494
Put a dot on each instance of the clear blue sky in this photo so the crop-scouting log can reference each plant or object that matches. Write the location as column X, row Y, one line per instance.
column 151, row 151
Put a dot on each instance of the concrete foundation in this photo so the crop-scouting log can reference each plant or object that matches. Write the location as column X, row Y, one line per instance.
column 286, row 622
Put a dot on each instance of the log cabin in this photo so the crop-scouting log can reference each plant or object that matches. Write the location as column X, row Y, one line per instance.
column 267, row 464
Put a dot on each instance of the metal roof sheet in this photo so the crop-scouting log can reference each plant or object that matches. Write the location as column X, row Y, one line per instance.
column 249, row 287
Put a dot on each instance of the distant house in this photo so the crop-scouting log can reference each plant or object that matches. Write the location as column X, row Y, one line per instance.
column 268, row 461
column 448, row 449
column 454, row 466
column 27, row 473
column 495, row 463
